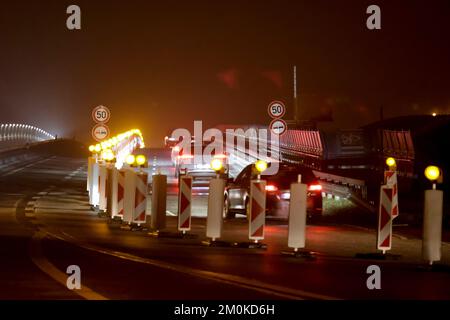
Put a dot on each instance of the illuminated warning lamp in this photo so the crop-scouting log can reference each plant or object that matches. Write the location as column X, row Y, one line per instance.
column 140, row 160
column 390, row 162
column 130, row 159
column 216, row 165
column 108, row 155
column 91, row 148
column 97, row 148
column 432, row 173
column 260, row 165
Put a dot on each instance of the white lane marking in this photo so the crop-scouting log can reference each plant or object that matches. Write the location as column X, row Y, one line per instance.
column 252, row 284
column 26, row 166
column 38, row 258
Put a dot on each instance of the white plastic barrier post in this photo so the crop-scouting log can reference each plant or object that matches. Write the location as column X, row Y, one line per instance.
column 384, row 236
column 297, row 215
column 140, row 198
column 91, row 161
column 432, row 226
column 215, row 208
column 257, row 210
column 128, row 201
column 94, row 195
column 390, row 179
column 103, row 174
column 159, row 198
column 184, row 204
column 117, row 193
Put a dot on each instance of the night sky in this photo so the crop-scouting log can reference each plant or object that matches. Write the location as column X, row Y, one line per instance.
column 161, row 65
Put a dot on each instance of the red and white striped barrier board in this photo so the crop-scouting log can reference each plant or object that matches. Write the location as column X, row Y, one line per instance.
column 117, row 193
column 257, row 210
column 184, row 203
column 384, row 237
column 140, row 198
column 390, row 179
column 102, row 181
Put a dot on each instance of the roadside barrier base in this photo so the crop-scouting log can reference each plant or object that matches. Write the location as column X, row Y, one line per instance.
column 171, row 235
column 217, row 243
column 116, row 219
column 300, row 254
column 250, row 245
column 377, row 256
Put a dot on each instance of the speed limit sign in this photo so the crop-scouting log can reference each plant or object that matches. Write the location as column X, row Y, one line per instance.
column 101, row 114
column 276, row 109
column 100, row 132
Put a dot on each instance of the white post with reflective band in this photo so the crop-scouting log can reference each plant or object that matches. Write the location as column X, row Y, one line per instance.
column 214, row 218
column 103, row 174
column 159, row 202
column 384, row 237
column 257, row 210
column 140, row 198
column 129, row 192
column 297, row 216
column 91, row 161
column 390, row 179
column 94, row 196
column 117, row 192
column 184, row 203
column 432, row 225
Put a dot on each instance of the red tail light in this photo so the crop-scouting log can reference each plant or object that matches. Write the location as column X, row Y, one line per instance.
column 315, row 187
column 271, row 188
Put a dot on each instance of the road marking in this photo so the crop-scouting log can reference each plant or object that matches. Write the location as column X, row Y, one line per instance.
column 38, row 258
column 171, row 213
column 26, row 166
column 252, row 284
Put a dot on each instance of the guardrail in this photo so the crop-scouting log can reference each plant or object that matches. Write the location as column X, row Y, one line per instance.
column 17, row 134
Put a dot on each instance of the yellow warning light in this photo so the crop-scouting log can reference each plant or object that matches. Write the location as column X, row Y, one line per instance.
column 130, row 159
column 97, row 148
column 91, row 148
column 390, row 162
column 260, row 165
column 108, row 155
column 141, row 159
column 216, row 164
column 432, row 173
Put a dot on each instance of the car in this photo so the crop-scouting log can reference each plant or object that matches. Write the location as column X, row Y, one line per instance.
column 202, row 172
column 237, row 191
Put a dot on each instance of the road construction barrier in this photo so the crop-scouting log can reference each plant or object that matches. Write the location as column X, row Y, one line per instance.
column 159, row 195
column 94, row 196
column 117, row 192
column 257, row 210
column 91, row 161
column 432, row 226
column 103, row 174
column 384, row 237
column 140, row 198
column 390, row 179
column 109, row 176
column 297, row 216
column 214, row 219
column 184, row 203
column 128, row 198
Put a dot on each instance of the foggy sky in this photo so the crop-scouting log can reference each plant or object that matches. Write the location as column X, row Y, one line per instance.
column 161, row 65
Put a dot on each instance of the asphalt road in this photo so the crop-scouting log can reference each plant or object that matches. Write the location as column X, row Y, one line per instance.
column 47, row 225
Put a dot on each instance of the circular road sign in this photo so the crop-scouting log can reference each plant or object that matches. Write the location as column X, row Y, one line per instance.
column 278, row 126
column 101, row 114
column 100, row 132
column 276, row 109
